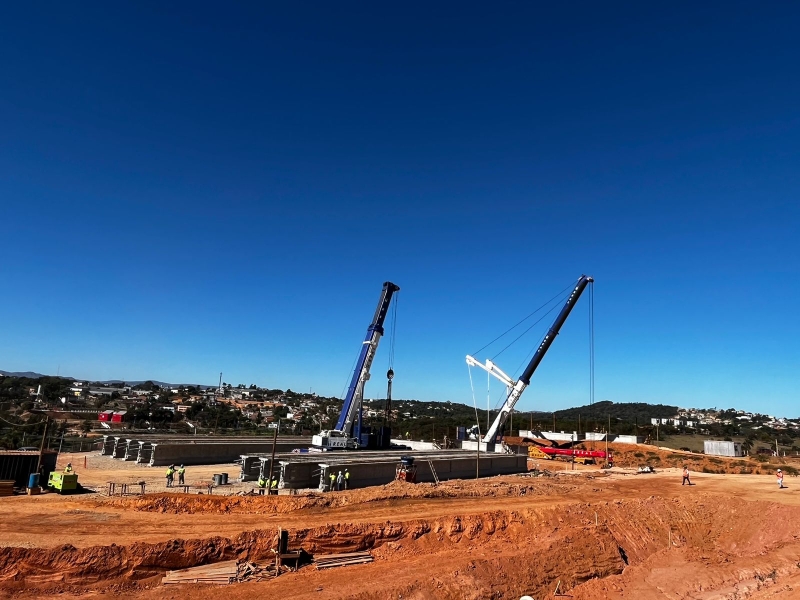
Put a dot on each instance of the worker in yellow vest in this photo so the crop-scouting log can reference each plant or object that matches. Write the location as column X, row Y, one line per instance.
column 273, row 487
column 333, row 480
column 346, row 479
column 181, row 475
column 68, row 468
column 262, row 485
column 170, row 475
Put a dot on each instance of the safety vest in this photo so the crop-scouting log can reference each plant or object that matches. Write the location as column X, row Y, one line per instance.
column 181, row 471
column 274, row 485
column 262, row 482
column 170, row 472
column 67, row 469
column 333, row 477
column 347, row 474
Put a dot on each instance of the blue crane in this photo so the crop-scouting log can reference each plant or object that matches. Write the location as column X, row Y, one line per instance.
column 348, row 428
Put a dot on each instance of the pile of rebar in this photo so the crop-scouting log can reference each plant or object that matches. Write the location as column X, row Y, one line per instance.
column 327, row 561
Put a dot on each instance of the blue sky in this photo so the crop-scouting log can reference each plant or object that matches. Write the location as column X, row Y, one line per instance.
column 189, row 189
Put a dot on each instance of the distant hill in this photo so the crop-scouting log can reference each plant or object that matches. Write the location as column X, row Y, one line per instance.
column 28, row 374
column 33, row 375
column 631, row 412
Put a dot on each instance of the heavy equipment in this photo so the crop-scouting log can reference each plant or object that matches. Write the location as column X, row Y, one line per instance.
column 406, row 470
column 348, row 432
column 579, row 456
column 515, row 388
column 63, row 483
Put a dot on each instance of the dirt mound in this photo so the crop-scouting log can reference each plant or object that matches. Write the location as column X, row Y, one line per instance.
column 635, row 455
column 396, row 490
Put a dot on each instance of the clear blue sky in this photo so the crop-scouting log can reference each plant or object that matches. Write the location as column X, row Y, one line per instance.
column 191, row 188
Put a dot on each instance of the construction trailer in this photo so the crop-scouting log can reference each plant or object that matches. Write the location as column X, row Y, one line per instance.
column 18, row 465
column 716, row 448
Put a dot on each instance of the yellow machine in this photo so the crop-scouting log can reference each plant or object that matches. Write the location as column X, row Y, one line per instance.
column 63, row 483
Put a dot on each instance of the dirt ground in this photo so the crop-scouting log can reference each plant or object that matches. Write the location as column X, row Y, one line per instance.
column 590, row 533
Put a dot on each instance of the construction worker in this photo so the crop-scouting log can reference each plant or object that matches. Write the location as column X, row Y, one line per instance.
column 686, row 476
column 273, row 486
column 262, row 485
column 339, row 482
column 779, row 473
column 346, row 479
column 68, row 468
column 181, row 475
column 408, row 435
column 333, row 480
column 170, row 475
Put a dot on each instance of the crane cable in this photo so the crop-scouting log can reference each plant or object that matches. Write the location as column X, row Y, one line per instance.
column 392, row 330
column 516, row 339
column 504, row 394
column 591, row 343
column 527, row 357
column 570, row 286
column 474, row 403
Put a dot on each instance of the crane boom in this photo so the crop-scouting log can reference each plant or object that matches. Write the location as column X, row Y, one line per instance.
column 348, row 427
column 515, row 390
column 355, row 392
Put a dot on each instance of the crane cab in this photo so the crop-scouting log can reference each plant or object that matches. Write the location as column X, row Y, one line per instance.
column 333, row 439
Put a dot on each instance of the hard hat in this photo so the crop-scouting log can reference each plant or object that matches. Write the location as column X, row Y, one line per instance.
column 779, row 471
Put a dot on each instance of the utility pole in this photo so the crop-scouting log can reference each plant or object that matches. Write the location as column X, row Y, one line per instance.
column 573, row 451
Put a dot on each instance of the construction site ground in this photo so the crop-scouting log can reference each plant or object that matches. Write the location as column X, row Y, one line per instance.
column 589, row 533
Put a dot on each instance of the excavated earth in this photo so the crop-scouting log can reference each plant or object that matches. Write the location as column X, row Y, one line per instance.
column 587, row 534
